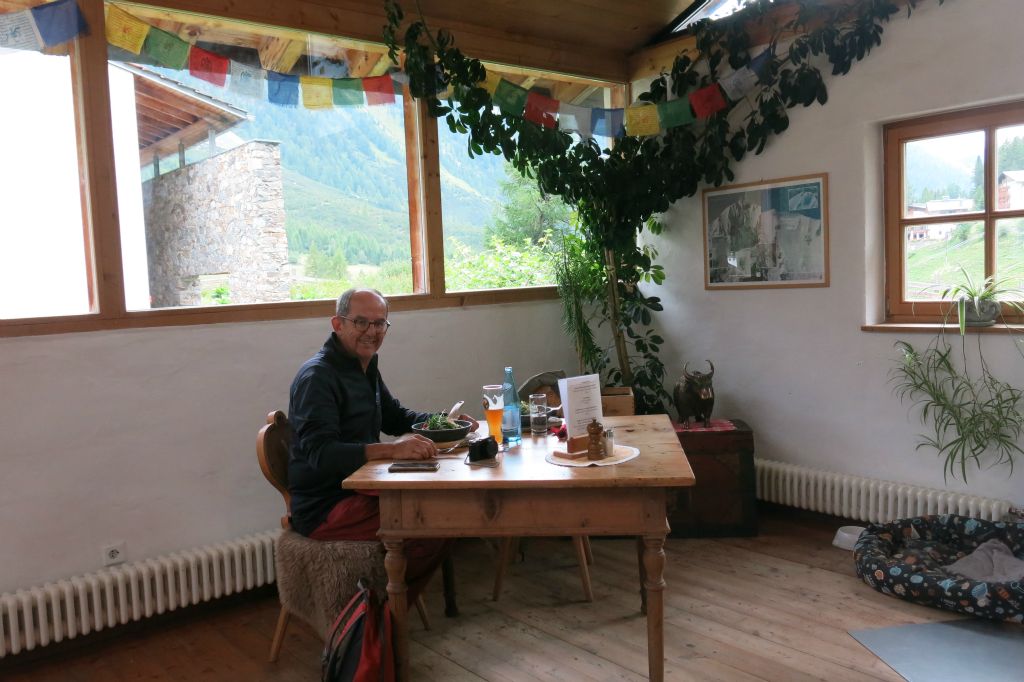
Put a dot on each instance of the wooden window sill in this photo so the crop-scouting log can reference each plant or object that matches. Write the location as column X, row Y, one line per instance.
column 935, row 327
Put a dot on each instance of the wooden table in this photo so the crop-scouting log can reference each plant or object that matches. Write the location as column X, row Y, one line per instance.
column 527, row 496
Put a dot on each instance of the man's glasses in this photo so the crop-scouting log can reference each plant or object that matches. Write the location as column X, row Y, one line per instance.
column 362, row 324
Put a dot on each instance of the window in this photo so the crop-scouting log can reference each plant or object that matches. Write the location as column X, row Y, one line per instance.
column 148, row 190
column 256, row 194
column 499, row 231
column 954, row 201
column 44, row 264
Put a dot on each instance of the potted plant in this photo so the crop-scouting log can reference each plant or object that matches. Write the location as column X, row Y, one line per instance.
column 973, row 415
column 979, row 302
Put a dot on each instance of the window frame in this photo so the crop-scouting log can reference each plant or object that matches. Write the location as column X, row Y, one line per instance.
column 102, row 230
column 895, row 136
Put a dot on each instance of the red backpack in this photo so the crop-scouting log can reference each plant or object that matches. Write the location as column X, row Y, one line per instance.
column 360, row 647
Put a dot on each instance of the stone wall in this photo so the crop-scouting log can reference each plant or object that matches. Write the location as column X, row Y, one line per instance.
column 219, row 222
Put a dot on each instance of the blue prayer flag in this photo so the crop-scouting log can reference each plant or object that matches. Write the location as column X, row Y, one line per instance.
column 59, row 22
column 608, row 122
column 283, row 89
column 759, row 64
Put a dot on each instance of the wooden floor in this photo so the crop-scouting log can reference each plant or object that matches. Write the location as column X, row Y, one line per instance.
column 774, row 607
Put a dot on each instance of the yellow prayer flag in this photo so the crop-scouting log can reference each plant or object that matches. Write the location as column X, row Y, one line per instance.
column 642, row 120
column 490, row 84
column 124, row 30
column 317, row 93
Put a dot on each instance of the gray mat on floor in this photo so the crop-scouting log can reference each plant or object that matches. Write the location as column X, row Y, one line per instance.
column 954, row 651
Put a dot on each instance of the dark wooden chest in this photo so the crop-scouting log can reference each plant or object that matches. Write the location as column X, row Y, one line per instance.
column 723, row 503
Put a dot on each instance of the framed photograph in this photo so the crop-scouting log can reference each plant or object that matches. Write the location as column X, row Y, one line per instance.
column 767, row 234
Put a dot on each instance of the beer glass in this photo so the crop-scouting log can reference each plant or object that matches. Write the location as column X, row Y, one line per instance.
column 494, row 405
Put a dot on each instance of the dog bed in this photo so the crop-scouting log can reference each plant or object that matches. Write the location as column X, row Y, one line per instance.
column 905, row 559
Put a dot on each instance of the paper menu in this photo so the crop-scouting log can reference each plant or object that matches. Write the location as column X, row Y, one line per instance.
column 581, row 403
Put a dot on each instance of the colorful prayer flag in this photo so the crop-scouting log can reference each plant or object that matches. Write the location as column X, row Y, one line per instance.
column 490, row 83
column 739, row 83
column 707, row 101
column 759, row 64
column 247, row 80
column 348, row 92
column 18, row 31
column 642, row 120
column 510, row 98
column 572, row 117
column 675, row 113
column 124, row 30
column 541, row 109
column 316, row 92
column 379, row 90
column 208, row 66
column 607, row 122
column 59, row 22
column 282, row 89
column 166, row 49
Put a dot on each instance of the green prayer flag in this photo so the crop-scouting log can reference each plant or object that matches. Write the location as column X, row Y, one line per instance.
column 348, row 92
column 166, row 48
column 510, row 98
column 675, row 113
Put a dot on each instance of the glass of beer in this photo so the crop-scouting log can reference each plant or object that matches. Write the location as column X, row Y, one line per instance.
column 494, row 405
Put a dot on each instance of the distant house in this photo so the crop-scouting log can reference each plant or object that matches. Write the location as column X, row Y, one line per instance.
column 1011, row 189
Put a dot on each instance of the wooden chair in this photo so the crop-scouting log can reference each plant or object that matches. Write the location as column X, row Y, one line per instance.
column 314, row 579
column 617, row 402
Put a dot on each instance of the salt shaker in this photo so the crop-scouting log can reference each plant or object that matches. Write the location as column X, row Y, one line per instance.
column 609, row 443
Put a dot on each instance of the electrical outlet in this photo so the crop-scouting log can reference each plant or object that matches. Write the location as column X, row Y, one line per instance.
column 114, row 553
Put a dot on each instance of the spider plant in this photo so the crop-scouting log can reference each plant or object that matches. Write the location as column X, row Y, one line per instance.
column 970, row 417
column 990, row 291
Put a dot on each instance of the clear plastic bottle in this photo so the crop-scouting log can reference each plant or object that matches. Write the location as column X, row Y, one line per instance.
column 511, row 423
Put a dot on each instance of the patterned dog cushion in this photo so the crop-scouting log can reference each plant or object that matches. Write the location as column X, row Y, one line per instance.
column 905, row 559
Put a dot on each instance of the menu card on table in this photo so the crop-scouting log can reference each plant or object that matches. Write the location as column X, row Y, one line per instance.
column 581, row 403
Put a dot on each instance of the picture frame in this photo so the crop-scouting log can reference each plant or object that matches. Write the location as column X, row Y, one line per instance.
column 767, row 235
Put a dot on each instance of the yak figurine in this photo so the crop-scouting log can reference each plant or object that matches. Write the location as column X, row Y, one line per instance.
column 695, row 397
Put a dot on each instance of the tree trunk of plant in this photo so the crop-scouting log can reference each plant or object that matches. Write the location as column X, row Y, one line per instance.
column 612, row 273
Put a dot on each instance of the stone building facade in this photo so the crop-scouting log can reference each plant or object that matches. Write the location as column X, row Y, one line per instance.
column 218, row 225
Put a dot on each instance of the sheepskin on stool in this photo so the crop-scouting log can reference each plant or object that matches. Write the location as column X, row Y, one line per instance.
column 316, row 579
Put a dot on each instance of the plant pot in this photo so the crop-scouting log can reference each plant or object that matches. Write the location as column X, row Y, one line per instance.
column 984, row 315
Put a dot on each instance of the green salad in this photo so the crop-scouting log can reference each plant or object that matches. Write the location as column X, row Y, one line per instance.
column 440, row 422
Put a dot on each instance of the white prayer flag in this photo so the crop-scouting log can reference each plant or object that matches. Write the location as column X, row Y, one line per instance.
column 739, row 83
column 572, row 117
column 18, row 31
column 247, row 80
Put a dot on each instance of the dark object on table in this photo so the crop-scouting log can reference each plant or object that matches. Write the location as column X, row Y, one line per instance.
column 444, row 435
column 485, row 448
column 694, row 396
column 723, row 503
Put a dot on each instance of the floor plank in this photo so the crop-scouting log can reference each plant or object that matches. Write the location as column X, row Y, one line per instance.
column 773, row 607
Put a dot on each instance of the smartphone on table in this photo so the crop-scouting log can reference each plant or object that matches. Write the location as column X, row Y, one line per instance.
column 413, row 466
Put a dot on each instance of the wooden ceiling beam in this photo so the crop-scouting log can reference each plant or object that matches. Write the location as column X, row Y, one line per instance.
column 280, row 54
column 360, row 22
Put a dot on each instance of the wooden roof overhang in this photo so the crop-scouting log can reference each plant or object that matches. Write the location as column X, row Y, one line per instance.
column 171, row 114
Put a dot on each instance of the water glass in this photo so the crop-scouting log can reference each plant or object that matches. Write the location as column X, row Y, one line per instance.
column 538, row 414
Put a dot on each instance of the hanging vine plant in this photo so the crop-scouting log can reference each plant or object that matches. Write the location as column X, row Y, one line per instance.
column 617, row 191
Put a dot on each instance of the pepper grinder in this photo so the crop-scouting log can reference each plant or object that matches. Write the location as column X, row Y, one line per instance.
column 595, row 447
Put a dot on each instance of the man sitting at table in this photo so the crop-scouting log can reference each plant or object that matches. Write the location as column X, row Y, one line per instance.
column 339, row 405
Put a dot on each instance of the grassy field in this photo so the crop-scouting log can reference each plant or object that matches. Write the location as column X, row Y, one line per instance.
column 934, row 265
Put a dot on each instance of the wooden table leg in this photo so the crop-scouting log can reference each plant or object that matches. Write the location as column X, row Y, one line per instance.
column 643, row 575
column 394, row 564
column 654, row 568
column 451, row 608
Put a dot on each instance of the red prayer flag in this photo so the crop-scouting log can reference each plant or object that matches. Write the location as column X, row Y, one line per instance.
column 208, row 66
column 707, row 101
column 379, row 89
column 541, row 109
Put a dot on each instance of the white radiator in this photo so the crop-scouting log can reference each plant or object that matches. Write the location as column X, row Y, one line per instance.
column 864, row 499
column 113, row 596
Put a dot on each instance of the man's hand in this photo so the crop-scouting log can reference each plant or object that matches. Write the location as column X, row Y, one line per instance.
column 467, row 418
column 413, row 446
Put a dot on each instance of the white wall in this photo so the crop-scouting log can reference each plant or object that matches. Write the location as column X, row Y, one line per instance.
column 794, row 363
column 149, row 435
